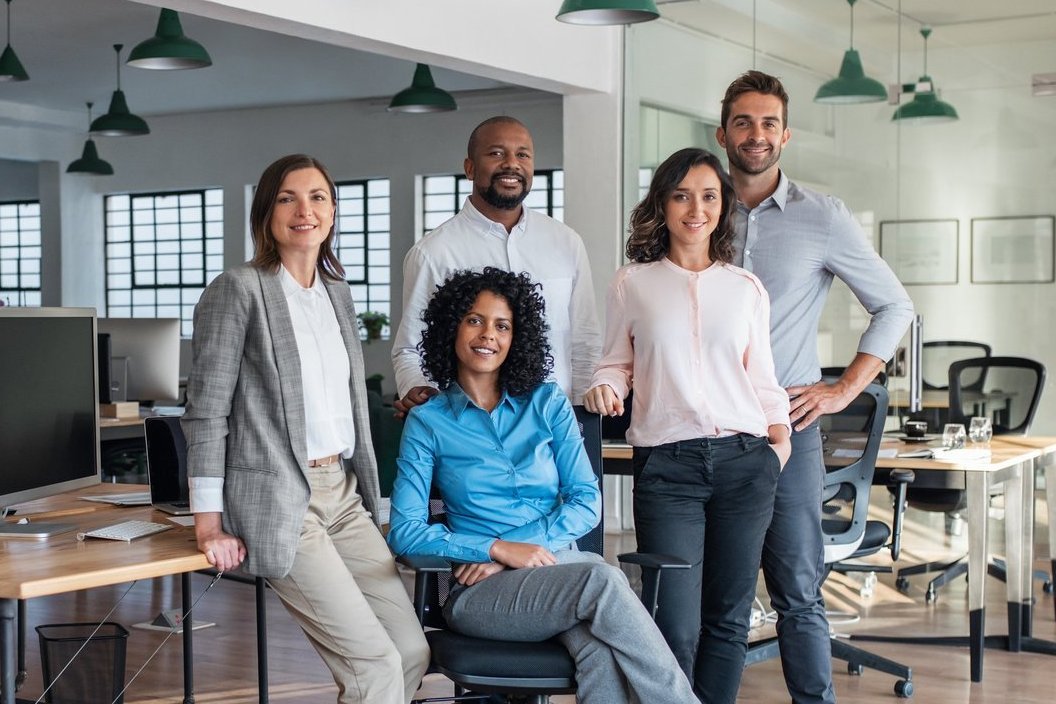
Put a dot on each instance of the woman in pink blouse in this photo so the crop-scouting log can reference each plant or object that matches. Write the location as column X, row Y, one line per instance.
column 709, row 426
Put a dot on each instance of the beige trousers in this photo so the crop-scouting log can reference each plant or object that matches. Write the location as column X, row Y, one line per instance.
column 346, row 595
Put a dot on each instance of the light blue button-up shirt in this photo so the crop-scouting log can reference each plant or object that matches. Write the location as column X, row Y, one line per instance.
column 519, row 473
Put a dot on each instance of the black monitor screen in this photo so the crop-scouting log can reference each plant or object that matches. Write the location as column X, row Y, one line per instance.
column 48, row 402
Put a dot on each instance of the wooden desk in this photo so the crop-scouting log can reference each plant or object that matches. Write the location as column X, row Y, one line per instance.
column 32, row 568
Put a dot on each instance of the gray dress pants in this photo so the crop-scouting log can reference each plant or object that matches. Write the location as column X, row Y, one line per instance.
column 587, row 604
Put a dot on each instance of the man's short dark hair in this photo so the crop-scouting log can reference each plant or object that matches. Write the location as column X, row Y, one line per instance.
column 754, row 82
column 474, row 136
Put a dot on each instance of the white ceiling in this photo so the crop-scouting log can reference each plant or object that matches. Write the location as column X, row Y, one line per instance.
column 66, row 46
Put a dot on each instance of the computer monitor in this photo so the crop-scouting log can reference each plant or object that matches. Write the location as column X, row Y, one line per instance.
column 49, row 412
column 145, row 354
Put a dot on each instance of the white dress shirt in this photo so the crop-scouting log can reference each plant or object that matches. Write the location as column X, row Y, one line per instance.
column 325, row 371
column 549, row 251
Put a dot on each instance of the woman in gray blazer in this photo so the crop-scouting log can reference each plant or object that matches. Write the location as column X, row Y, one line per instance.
column 283, row 476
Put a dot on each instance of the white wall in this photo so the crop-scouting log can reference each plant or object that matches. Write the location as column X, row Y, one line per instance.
column 999, row 159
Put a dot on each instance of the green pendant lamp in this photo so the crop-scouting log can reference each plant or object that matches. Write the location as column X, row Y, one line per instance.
column 118, row 121
column 11, row 69
column 90, row 163
column 607, row 11
column 851, row 85
column 925, row 108
column 423, row 95
column 169, row 49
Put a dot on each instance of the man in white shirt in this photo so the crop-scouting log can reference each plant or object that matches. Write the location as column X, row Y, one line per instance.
column 495, row 229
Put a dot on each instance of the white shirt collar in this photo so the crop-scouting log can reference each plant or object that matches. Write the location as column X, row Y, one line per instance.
column 290, row 286
column 472, row 213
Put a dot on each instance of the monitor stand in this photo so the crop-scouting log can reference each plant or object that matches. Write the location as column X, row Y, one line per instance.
column 33, row 530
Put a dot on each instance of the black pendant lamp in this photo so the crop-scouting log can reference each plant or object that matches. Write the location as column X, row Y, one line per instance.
column 169, row 49
column 90, row 163
column 11, row 69
column 118, row 121
column 423, row 95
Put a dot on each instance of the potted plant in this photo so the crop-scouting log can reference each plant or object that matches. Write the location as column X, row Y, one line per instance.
column 372, row 321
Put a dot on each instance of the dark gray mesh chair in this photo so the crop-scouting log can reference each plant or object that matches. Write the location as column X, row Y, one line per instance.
column 1008, row 390
column 848, row 533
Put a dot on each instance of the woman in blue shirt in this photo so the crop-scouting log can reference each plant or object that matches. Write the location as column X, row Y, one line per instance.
column 504, row 449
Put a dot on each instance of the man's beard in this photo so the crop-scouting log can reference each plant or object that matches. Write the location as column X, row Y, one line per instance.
column 495, row 199
column 757, row 167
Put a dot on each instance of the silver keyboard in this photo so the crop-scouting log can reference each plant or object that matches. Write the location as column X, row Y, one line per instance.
column 126, row 531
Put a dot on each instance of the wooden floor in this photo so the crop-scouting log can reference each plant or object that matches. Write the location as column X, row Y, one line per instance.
column 225, row 656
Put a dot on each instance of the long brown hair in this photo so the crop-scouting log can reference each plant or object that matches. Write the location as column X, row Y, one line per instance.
column 265, row 251
column 649, row 239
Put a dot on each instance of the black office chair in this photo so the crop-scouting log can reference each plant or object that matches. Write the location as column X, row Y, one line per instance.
column 938, row 355
column 481, row 666
column 847, row 531
column 1009, row 394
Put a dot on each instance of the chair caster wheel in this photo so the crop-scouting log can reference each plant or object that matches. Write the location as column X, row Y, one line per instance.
column 902, row 584
column 855, row 669
column 929, row 596
column 904, row 689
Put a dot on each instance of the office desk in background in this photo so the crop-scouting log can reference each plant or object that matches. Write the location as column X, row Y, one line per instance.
column 61, row 564
column 1012, row 462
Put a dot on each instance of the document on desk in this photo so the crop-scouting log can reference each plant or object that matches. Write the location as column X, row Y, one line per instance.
column 139, row 498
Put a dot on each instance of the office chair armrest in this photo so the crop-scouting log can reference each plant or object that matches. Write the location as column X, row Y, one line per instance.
column 427, row 572
column 653, row 566
column 425, row 563
column 654, row 561
column 899, row 480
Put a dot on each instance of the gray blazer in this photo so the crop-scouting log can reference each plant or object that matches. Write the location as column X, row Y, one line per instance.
column 245, row 412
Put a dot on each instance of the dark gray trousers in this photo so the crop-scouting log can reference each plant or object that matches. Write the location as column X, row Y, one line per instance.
column 794, row 568
column 709, row 502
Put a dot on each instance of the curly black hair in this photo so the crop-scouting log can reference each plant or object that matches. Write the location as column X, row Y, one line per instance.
column 529, row 361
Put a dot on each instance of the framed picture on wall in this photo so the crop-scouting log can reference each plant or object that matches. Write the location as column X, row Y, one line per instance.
column 921, row 252
column 1013, row 250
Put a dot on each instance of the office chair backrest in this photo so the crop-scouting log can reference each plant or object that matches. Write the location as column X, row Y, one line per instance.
column 615, row 427
column 831, row 374
column 593, row 541
column 1009, row 395
column 852, row 441
column 938, row 355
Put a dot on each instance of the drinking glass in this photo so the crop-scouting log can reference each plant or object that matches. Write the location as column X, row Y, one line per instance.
column 980, row 430
column 953, row 436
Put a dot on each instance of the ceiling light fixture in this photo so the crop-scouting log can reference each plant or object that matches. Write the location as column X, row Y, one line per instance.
column 851, row 85
column 423, row 95
column 925, row 108
column 118, row 121
column 90, row 163
column 607, row 11
column 169, row 49
column 11, row 69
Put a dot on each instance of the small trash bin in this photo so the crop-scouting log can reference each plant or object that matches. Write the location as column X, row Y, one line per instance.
column 97, row 676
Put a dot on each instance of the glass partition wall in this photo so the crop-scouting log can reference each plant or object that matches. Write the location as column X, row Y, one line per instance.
column 985, row 179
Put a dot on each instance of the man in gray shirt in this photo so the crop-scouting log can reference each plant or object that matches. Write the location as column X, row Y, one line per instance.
column 796, row 240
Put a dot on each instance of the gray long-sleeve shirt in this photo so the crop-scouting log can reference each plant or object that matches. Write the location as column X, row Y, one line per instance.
column 795, row 241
